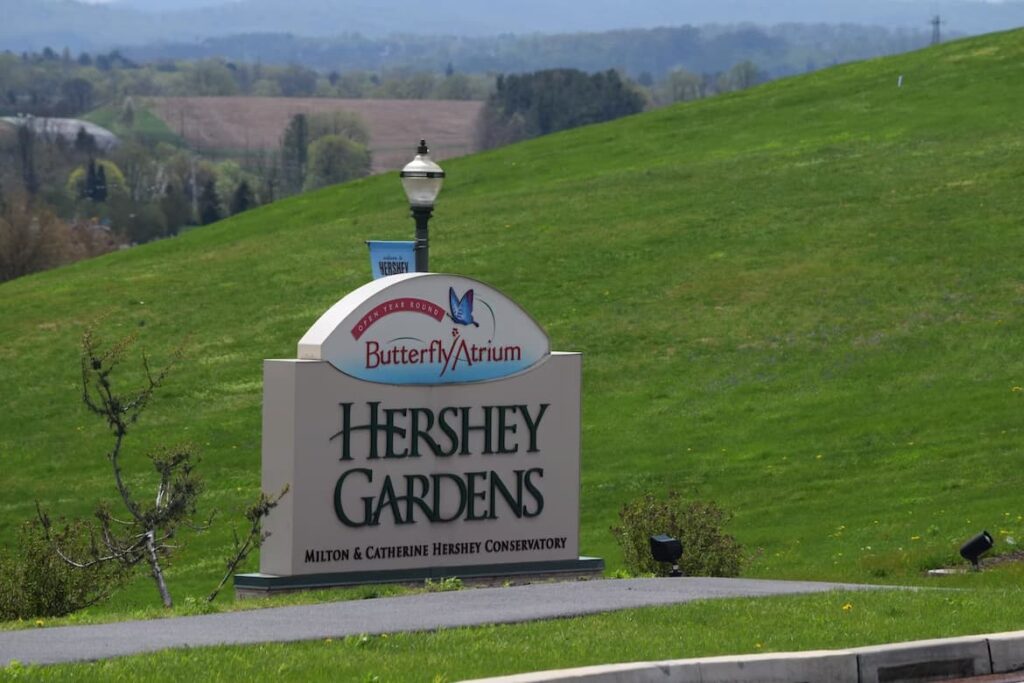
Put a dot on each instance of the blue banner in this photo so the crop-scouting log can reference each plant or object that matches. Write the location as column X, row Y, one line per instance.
column 391, row 258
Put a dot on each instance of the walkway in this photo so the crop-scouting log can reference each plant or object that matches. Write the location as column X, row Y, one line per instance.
column 421, row 612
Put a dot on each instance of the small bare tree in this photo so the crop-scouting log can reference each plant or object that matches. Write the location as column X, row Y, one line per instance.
column 144, row 535
column 254, row 514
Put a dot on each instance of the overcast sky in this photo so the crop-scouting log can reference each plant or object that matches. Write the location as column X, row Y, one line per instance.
column 193, row 3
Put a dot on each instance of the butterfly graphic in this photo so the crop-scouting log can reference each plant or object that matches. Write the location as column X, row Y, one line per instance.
column 461, row 309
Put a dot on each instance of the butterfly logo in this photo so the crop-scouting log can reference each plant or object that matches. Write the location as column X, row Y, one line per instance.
column 461, row 309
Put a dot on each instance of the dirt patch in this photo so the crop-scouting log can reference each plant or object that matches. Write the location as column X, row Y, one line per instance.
column 240, row 124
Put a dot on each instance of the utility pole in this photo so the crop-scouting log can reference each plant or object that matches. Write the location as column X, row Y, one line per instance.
column 936, row 29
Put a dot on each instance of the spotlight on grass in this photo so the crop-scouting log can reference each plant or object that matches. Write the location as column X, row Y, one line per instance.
column 973, row 549
column 664, row 548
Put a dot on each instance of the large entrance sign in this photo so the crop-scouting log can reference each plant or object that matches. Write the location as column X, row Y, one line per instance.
column 425, row 429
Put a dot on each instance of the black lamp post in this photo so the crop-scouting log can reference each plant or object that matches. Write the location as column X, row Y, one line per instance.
column 422, row 180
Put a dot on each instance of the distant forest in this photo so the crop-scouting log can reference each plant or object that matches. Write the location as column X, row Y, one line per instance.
column 640, row 53
column 101, row 26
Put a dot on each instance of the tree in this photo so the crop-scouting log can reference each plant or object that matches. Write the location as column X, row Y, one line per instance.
column 556, row 99
column 297, row 81
column 32, row 238
column 242, row 199
column 99, row 180
column 27, row 157
column 681, row 85
column 175, row 207
column 88, row 188
column 209, row 204
column 140, row 535
column 344, row 123
column 143, row 536
column 740, row 77
column 335, row 159
column 294, row 144
column 210, row 77
column 455, row 87
column 100, row 191
column 78, row 92
column 84, row 142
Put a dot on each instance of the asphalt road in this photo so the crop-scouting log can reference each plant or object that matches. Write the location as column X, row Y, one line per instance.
column 421, row 612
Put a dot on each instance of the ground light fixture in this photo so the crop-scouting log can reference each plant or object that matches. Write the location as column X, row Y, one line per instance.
column 422, row 179
column 664, row 548
column 975, row 547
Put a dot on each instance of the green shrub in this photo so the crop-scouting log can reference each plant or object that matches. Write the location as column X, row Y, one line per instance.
column 36, row 582
column 448, row 583
column 707, row 549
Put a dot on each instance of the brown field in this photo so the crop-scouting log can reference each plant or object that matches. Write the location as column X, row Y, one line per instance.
column 237, row 124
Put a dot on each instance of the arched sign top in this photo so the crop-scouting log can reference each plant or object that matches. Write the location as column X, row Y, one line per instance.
column 426, row 328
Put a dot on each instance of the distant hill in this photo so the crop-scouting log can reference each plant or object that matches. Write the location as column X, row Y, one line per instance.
column 34, row 24
column 802, row 301
column 778, row 50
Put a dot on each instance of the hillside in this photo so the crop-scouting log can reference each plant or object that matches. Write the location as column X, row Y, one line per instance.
column 236, row 124
column 802, row 300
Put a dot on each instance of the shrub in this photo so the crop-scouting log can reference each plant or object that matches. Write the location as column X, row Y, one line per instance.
column 707, row 549
column 36, row 582
column 443, row 585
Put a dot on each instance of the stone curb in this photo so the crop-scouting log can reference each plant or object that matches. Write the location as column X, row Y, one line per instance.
column 995, row 653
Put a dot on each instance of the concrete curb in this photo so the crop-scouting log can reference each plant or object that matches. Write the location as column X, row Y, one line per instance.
column 995, row 653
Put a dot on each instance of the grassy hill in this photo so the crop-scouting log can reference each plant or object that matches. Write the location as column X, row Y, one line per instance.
column 803, row 301
column 146, row 125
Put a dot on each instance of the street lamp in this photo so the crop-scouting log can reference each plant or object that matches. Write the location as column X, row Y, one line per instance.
column 421, row 179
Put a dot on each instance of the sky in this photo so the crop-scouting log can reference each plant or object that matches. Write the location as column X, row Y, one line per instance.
column 195, row 3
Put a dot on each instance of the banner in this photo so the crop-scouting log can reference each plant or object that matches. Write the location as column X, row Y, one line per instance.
column 391, row 258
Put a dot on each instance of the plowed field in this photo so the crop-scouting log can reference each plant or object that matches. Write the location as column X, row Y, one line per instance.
column 233, row 124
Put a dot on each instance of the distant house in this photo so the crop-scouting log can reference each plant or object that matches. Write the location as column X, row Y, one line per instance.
column 66, row 129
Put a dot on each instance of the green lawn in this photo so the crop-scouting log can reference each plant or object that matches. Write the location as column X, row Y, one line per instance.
column 717, row 627
column 146, row 125
column 802, row 301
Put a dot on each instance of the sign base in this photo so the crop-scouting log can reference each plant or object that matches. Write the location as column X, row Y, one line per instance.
column 260, row 585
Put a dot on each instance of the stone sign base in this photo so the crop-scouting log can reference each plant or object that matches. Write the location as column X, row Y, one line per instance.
column 260, row 585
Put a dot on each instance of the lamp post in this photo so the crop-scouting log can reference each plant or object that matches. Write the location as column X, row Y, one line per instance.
column 422, row 179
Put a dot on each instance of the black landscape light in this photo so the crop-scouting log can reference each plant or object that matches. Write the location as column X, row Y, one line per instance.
column 664, row 548
column 422, row 180
column 976, row 547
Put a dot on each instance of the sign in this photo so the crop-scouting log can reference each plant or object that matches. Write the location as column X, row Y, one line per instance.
column 426, row 328
column 426, row 429
column 391, row 258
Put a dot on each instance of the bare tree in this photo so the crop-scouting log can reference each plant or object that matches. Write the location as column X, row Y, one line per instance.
column 144, row 535
column 32, row 238
column 255, row 514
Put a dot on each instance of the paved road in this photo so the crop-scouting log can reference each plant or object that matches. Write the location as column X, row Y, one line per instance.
column 422, row 612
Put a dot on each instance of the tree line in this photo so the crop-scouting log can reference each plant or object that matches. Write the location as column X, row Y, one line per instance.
column 779, row 50
column 63, row 199
column 49, row 83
